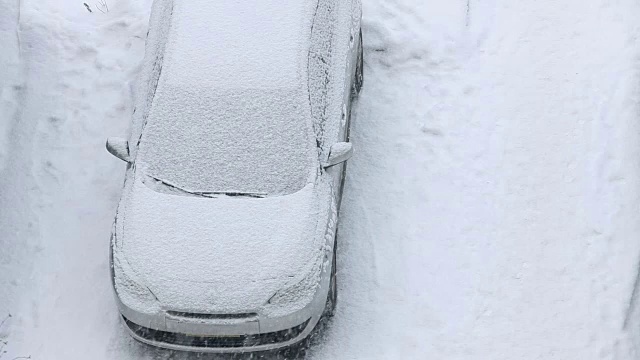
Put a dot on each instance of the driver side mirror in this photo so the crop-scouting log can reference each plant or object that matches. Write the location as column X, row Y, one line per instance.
column 339, row 153
column 119, row 148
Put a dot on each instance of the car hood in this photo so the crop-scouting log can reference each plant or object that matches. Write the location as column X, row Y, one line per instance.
column 221, row 254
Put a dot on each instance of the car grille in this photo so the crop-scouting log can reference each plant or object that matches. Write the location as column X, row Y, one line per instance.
column 199, row 316
column 216, row 341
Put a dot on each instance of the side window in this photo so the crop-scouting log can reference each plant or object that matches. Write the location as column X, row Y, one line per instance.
column 320, row 62
column 159, row 25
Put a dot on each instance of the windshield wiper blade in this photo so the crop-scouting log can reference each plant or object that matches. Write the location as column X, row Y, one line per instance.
column 177, row 188
column 236, row 194
column 210, row 194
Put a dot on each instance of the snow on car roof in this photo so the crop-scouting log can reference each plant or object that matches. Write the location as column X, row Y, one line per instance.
column 238, row 44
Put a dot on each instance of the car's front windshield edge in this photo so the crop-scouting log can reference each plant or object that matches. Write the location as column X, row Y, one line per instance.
column 209, row 194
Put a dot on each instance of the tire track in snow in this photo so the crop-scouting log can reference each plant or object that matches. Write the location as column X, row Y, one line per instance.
column 13, row 270
column 21, row 193
column 17, row 223
column 468, row 14
column 10, row 77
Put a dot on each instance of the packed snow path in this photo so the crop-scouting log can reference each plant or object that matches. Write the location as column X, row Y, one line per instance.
column 492, row 210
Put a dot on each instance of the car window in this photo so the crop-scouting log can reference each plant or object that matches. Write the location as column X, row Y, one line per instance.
column 246, row 141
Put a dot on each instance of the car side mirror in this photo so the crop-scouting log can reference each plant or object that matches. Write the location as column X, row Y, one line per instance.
column 339, row 153
column 119, row 148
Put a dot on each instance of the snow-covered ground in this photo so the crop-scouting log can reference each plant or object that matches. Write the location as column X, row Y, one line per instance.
column 59, row 188
column 492, row 210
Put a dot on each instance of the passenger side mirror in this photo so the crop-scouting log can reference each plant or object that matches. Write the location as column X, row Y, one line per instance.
column 119, row 148
column 339, row 153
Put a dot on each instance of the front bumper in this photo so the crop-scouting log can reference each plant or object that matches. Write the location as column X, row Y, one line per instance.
column 256, row 330
column 221, row 344
column 224, row 333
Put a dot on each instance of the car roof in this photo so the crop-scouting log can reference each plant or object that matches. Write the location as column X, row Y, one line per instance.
column 229, row 44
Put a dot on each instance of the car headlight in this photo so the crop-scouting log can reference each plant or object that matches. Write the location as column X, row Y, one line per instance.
column 301, row 292
column 133, row 294
column 297, row 296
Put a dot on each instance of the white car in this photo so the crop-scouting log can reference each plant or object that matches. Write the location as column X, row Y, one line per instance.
column 225, row 236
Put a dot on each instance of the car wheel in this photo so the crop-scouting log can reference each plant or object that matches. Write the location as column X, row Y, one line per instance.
column 332, row 298
column 359, row 77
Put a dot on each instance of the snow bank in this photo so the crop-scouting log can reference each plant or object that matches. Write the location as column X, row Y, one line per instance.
column 58, row 188
column 10, row 81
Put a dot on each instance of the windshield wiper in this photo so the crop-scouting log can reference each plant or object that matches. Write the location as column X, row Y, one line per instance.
column 237, row 194
column 210, row 194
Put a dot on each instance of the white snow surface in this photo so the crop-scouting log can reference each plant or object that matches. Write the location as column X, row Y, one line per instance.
column 10, row 79
column 228, row 44
column 491, row 210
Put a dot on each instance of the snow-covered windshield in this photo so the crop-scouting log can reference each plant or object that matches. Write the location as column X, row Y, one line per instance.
column 236, row 120
column 241, row 141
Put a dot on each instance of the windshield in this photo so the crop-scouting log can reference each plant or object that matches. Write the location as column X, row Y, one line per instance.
column 248, row 141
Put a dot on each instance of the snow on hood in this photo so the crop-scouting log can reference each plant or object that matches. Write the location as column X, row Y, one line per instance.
column 219, row 254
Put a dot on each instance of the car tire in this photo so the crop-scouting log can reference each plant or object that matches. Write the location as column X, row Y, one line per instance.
column 332, row 297
column 359, row 76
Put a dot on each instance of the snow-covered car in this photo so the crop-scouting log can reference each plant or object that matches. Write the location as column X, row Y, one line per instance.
column 225, row 235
